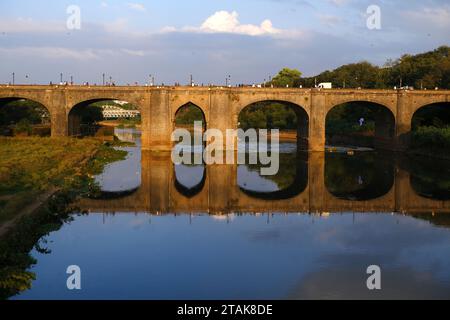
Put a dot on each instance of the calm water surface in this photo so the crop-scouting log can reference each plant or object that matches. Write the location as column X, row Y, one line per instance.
column 162, row 237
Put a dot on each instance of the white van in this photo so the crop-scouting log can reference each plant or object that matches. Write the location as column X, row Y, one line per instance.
column 325, row 85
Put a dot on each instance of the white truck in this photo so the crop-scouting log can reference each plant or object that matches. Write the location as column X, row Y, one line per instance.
column 325, row 85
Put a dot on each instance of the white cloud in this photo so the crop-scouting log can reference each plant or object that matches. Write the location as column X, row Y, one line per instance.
column 136, row 53
column 70, row 54
column 22, row 25
column 228, row 22
column 329, row 20
column 439, row 16
column 53, row 53
column 339, row 2
column 136, row 6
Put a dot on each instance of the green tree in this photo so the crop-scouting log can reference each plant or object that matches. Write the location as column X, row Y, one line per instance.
column 287, row 77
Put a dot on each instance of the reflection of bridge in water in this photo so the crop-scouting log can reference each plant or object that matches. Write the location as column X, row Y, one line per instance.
column 221, row 194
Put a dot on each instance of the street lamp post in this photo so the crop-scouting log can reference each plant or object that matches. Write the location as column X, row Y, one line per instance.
column 61, row 78
column 13, row 78
column 228, row 81
column 103, row 79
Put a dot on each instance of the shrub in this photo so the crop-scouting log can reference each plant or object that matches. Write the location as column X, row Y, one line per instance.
column 431, row 138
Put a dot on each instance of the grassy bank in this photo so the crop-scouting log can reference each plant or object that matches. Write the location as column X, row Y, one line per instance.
column 31, row 167
column 122, row 123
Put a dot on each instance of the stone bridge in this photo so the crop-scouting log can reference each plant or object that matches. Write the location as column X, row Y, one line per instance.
column 221, row 108
column 220, row 193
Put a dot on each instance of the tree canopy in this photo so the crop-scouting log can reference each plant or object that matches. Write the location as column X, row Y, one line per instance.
column 287, row 77
column 427, row 70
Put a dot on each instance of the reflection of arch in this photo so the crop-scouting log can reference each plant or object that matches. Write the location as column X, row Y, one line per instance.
column 7, row 100
column 74, row 120
column 190, row 192
column 302, row 118
column 299, row 184
column 384, row 117
column 347, row 167
column 428, row 177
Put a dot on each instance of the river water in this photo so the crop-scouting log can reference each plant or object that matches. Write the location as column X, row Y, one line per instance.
column 226, row 232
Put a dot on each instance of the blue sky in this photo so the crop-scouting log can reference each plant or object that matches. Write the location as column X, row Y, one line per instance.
column 249, row 40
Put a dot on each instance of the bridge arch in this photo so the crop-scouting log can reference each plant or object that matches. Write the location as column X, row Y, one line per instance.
column 32, row 109
column 197, row 113
column 73, row 113
column 300, row 124
column 373, row 125
column 424, row 114
column 39, row 98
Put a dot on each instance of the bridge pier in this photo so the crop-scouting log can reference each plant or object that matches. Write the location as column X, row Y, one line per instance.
column 317, row 123
column 157, row 122
column 59, row 123
column 403, row 122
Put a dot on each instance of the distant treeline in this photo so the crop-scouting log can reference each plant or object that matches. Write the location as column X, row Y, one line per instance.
column 427, row 70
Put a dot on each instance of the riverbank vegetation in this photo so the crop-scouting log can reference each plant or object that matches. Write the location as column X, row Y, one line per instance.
column 30, row 167
column 431, row 131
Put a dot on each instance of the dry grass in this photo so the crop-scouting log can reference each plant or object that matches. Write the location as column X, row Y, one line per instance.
column 29, row 166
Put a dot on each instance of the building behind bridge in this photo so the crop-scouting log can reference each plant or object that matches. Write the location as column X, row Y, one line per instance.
column 115, row 112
